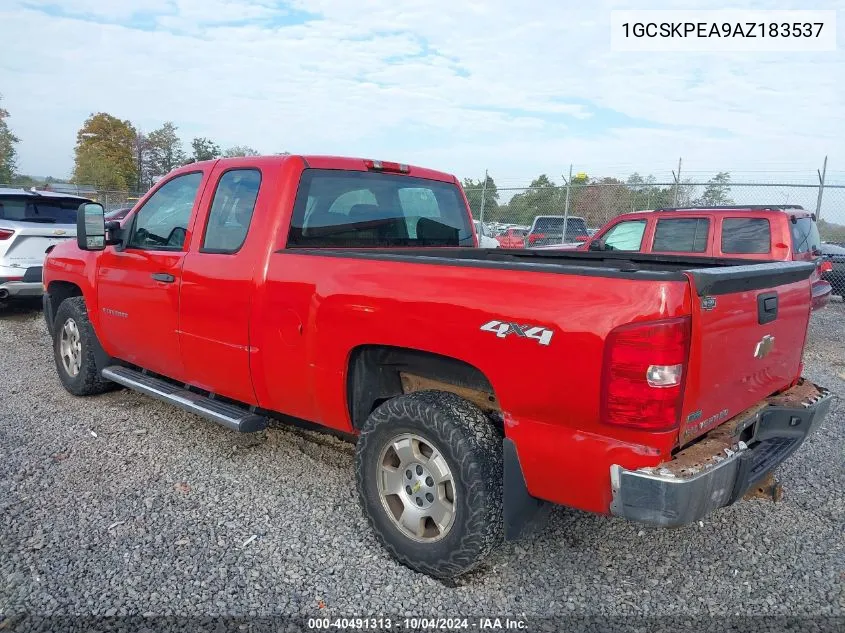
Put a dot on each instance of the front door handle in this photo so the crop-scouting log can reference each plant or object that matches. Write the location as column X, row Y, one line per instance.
column 166, row 278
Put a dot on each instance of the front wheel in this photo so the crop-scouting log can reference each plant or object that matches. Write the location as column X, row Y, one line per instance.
column 429, row 473
column 73, row 350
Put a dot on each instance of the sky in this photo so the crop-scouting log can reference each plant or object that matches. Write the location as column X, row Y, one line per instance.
column 517, row 88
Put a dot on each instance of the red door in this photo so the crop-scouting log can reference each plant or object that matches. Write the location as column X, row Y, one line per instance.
column 217, row 281
column 138, row 284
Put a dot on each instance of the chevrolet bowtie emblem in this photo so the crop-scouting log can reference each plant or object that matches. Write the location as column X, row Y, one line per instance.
column 59, row 232
column 764, row 346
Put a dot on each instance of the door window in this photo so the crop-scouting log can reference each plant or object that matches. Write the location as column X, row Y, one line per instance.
column 162, row 223
column 681, row 235
column 231, row 211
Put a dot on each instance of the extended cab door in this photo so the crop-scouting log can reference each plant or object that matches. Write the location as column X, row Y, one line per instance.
column 217, row 280
column 138, row 284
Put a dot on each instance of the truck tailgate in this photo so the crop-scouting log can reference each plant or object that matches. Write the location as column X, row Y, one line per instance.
column 749, row 325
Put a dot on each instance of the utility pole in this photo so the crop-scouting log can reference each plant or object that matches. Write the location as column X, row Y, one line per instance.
column 483, row 195
column 677, row 178
column 566, row 207
column 821, row 189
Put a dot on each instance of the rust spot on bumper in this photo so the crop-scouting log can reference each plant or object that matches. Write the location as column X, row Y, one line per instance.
column 768, row 488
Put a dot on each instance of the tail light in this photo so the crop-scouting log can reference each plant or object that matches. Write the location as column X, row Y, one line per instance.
column 581, row 238
column 643, row 374
column 824, row 267
column 5, row 234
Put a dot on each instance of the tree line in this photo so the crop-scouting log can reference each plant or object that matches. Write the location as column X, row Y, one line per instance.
column 113, row 154
column 594, row 199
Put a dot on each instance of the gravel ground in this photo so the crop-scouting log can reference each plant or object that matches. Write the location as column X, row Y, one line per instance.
column 120, row 505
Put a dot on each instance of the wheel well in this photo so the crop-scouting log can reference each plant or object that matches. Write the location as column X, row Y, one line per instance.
column 379, row 372
column 61, row 290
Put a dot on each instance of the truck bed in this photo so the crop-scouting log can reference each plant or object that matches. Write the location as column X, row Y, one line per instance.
column 710, row 274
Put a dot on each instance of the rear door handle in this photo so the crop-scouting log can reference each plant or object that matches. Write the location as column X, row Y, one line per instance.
column 166, row 278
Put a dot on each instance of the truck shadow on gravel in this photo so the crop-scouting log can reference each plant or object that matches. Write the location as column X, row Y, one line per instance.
column 20, row 309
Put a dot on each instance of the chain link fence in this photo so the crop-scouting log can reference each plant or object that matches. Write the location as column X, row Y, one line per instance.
column 508, row 214
column 599, row 202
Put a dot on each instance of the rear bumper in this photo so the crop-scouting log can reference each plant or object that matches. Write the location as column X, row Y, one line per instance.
column 821, row 294
column 722, row 467
column 29, row 285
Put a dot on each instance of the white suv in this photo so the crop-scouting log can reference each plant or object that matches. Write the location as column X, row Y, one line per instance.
column 31, row 222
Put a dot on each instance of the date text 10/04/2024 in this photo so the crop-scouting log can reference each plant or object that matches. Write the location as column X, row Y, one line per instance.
column 417, row 624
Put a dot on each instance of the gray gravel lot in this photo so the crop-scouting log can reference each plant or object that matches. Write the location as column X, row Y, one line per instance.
column 119, row 505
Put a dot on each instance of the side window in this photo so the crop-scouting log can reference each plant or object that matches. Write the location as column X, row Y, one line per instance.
column 625, row 236
column 162, row 223
column 681, row 235
column 231, row 211
column 746, row 236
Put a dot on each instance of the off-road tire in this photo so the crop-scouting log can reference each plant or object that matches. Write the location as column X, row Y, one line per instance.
column 88, row 381
column 472, row 448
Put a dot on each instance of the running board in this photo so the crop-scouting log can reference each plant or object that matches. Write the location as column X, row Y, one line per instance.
column 231, row 416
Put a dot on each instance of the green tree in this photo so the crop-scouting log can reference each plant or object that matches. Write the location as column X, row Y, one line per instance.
column 104, row 153
column 473, row 190
column 717, row 192
column 8, row 153
column 165, row 150
column 543, row 197
column 204, row 149
column 240, row 150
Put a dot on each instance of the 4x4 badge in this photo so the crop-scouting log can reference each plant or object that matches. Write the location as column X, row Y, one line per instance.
column 708, row 303
column 501, row 330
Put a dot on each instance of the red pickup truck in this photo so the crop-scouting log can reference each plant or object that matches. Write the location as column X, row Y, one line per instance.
column 480, row 384
column 753, row 232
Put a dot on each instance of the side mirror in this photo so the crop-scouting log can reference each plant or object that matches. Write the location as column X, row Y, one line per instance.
column 596, row 245
column 91, row 227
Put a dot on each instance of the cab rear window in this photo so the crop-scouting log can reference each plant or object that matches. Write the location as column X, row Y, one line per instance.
column 336, row 208
column 746, row 236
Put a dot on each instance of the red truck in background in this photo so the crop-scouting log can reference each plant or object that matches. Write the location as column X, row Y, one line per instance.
column 753, row 232
column 480, row 384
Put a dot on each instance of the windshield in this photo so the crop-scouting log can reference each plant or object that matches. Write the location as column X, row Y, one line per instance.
column 553, row 225
column 805, row 235
column 358, row 209
column 41, row 210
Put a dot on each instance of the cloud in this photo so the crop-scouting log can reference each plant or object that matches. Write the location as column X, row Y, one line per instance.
column 517, row 89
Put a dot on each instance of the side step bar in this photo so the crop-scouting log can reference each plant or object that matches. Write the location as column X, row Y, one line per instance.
column 229, row 415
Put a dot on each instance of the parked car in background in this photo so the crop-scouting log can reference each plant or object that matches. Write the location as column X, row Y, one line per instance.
column 512, row 238
column 753, row 232
column 480, row 383
column 117, row 214
column 485, row 239
column 547, row 230
column 833, row 267
column 31, row 222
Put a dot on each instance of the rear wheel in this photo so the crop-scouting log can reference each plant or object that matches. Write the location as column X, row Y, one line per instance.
column 429, row 472
column 73, row 350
